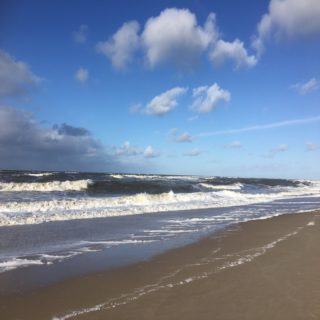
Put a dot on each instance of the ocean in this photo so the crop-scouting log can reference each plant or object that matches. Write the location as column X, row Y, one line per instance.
column 52, row 220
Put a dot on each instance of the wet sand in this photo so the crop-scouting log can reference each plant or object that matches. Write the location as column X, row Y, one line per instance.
column 265, row 269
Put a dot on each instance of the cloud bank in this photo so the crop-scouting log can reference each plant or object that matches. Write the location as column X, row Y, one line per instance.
column 27, row 144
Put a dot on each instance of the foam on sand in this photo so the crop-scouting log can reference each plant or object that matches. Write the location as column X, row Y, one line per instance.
column 173, row 280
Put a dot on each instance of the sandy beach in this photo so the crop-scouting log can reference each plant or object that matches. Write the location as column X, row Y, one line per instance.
column 264, row 269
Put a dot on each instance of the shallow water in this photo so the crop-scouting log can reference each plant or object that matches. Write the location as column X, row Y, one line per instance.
column 48, row 221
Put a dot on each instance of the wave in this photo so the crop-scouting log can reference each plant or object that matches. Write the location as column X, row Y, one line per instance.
column 18, row 263
column 44, row 174
column 12, row 263
column 23, row 212
column 235, row 186
column 77, row 185
column 153, row 177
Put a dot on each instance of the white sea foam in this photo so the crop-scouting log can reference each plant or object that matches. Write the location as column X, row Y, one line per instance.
column 43, row 174
column 117, row 242
column 250, row 255
column 235, row 186
column 76, row 185
column 311, row 224
column 18, row 263
column 116, row 176
column 24, row 212
column 154, row 177
column 81, row 247
column 12, row 263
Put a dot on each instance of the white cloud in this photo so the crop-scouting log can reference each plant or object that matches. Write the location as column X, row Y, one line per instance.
column 82, row 75
column 128, row 150
column 149, row 152
column 312, row 146
column 122, row 45
column 234, row 51
column 80, row 36
column 16, row 78
column 193, row 153
column 206, row 98
column 233, row 145
column 175, row 37
column 165, row 102
column 307, row 87
column 288, row 19
column 183, row 137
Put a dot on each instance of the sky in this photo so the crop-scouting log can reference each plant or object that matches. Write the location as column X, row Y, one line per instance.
column 219, row 87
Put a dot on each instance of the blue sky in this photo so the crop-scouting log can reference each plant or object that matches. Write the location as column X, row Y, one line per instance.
column 181, row 87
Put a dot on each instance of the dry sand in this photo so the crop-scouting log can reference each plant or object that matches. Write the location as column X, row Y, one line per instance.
column 265, row 269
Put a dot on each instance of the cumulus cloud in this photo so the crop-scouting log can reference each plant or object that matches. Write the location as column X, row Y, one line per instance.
column 149, row 152
column 206, row 98
column 165, row 102
column 80, row 36
column 175, row 37
column 182, row 137
column 193, row 153
column 288, row 19
column 306, row 87
column 82, row 75
column 26, row 144
column 233, row 145
column 128, row 150
column 312, row 146
column 16, row 78
column 233, row 51
column 122, row 45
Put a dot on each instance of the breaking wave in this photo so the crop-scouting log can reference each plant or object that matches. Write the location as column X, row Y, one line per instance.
column 235, row 186
column 77, row 185
column 34, row 212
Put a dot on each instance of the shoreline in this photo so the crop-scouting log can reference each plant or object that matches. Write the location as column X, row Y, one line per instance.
column 231, row 274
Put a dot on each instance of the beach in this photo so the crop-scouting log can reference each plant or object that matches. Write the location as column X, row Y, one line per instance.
column 160, row 161
column 263, row 269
